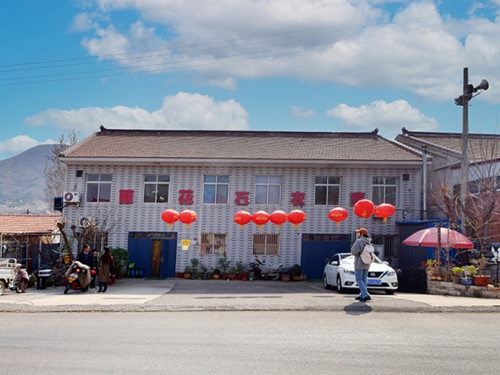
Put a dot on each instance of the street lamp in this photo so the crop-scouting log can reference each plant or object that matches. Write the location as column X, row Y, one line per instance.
column 463, row 100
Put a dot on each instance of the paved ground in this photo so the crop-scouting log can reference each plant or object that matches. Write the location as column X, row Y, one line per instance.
column 219, row 295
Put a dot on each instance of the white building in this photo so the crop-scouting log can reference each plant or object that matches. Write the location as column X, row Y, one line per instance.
column 132, row 176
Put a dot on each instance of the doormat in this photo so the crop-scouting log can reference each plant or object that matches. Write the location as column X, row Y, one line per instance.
column 156, row 278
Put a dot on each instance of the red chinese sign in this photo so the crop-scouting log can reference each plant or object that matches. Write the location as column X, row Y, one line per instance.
column 298, row 198
column 186, row 197
column 242, row 198
column 126, row 196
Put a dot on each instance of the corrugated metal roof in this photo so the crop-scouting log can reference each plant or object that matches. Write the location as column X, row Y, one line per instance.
column 21, row 224
column 243, row 145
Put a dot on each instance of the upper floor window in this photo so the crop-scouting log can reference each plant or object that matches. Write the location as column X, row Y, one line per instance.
column 156, row 188
column 215, row 189
column 99, row 187
column 267, row 190
column 327, row 191
column 384, row 190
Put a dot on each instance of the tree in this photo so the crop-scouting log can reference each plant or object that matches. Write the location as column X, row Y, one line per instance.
column 55, row 170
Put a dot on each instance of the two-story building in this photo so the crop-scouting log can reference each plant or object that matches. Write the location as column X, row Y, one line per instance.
column 130, row 177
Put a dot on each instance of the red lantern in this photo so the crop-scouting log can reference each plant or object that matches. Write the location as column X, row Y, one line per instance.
column 384, row 210
column 260, row 218
column 338, row 214
column 242, row 218
column 278, row 217
column 364, row 208
column 187, row 217
column 170, row 216
column 296, row 217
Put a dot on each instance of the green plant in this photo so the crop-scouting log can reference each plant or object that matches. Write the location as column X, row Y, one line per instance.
column 194, row 264
column 240, row 267
column 188, row 269
column 458, row 271
column 480, row 264
column 471, row 270
column 216, row 271
column 295, row 270
column 233, row 271
column 120, row 257
column 223, row 263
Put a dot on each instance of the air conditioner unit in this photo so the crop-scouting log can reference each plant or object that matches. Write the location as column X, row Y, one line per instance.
column 71, row 197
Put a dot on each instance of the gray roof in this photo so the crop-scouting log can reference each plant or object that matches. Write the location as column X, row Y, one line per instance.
column 239, row 145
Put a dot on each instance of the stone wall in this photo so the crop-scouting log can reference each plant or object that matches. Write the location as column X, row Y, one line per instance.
column 459, row 290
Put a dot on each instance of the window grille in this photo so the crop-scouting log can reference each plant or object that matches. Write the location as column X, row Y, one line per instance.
column 213, row 244
column 266, row 244
column 390, row 242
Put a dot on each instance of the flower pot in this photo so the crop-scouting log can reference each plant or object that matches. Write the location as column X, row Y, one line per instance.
column 466, row 281
column 456, row 279
column 481, row 280
column 297, row 278
column 187, row 275
column 216, row 276
column 285, row 277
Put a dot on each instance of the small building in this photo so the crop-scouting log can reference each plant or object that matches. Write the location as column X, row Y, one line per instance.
column 128, row 178
column 27, row 237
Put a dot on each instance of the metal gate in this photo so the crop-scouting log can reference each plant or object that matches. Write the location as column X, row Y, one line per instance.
column 141, row 247
column 316, row 248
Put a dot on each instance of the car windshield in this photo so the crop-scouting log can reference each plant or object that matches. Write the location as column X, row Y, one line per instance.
column 349, row 259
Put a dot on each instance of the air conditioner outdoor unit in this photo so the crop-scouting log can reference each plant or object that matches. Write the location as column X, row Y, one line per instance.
column 71, row 197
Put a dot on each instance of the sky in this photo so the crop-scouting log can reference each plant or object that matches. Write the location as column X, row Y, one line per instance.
column 261, row 65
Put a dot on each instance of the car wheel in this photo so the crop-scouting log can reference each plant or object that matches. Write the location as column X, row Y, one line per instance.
column 325, row 282
column 340, row 289
column 390, row 292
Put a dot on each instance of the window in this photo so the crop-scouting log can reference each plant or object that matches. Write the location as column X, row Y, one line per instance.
column 99, row 187
column 266, row 244
column 267, row 190
column 327, row 191
column 215, row 189
column 213, row 244
column 384, row 190
column 156, row 188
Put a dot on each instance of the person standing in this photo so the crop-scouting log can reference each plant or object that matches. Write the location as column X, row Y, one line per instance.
column 86, row 258
column 93, row 268
column 360, row 268
column 104, row 270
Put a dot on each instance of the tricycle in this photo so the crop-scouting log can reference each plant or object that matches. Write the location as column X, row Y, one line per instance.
column 12, row 276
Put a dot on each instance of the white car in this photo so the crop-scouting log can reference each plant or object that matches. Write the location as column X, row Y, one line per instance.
column 339, row 273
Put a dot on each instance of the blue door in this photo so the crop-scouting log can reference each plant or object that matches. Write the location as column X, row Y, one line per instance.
column 316, row 248
column 143, row 248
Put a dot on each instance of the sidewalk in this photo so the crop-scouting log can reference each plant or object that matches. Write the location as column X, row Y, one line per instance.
column 142, row 295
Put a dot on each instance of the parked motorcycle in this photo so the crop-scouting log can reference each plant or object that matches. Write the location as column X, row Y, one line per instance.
column 261, row 271
column 78, row 277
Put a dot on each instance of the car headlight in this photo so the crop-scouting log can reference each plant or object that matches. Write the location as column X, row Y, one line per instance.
column 391, row 273
column 349, row 272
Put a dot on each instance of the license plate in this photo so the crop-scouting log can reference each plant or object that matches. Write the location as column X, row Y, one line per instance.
column 374, row 282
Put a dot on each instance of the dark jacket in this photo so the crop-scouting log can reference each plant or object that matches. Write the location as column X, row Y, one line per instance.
column 85, row 258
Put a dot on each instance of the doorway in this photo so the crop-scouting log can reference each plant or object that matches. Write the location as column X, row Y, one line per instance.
column 156, row 258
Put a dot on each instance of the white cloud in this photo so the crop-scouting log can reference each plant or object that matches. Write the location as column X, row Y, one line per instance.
column 355, row 43
column 18, row 144
column 389, row 118
column 180, row 111
column 301, row 112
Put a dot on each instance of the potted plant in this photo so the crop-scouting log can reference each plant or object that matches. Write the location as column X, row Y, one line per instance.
column 223, row 264
column 295, row 272
column 187, row 272
column 240, row 269
column 470, row 272
column 203, row 272
column 480, row 279
column 251, row 276
column 194, row 267
column 285, row 274
column 458, row 272
column 232, row 273
column 216, row 273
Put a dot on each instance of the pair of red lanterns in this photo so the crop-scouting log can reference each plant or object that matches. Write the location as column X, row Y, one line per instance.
column 278, row 218
column 170, row 216
column 363, row 208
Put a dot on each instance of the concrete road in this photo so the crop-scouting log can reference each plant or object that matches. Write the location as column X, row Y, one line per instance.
column 249, row 342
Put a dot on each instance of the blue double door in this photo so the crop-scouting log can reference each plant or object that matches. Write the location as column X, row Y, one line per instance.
column 154, row 252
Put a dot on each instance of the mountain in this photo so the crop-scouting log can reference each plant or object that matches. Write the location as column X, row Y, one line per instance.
column 22, row 182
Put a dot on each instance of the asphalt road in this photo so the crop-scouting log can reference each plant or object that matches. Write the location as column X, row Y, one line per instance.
column 249, row 342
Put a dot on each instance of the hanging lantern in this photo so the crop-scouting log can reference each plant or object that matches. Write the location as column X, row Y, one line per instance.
column 242, row 218
column 384, row 210
column 364, row 208
column 296, row 217
column 278, row 217
column 260, row 218
column 170, row 216
column 338, row 214
column 187, row 217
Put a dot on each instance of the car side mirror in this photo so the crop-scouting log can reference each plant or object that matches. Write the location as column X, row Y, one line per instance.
column 335, row 263
column 385, row 262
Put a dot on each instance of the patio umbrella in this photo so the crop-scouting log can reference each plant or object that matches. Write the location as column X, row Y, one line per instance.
column 439, row 237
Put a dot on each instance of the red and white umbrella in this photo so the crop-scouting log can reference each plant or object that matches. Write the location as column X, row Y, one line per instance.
column 430, row 238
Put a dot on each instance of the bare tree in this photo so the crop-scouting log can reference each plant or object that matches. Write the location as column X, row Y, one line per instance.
column 55, row 170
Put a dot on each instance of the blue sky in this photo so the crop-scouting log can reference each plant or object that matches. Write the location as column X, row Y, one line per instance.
column 285, row 65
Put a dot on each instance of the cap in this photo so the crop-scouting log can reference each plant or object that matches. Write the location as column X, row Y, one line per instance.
column 362, row 231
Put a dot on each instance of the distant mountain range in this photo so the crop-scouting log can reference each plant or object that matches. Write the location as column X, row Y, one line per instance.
column 22, row 182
